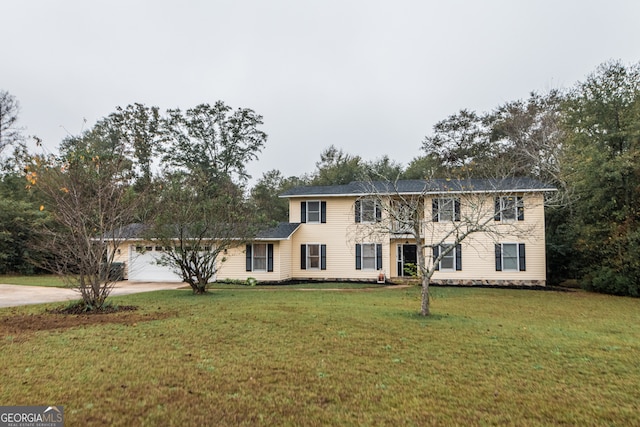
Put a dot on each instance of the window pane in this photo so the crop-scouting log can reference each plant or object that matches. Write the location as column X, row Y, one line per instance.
column 260, row 250
column 260, row 257
column 314, row 262
column 508, row 208
column 313, row 256
column 313, row 211
column 403, row 222
column 314, row 250
column 368, row 210
column 259, row 264
column 369, row 256
column 447, row 262
column 446, row 209
column 510, row 256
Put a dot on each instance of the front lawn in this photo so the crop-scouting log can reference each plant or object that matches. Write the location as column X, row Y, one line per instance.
column 236, row 357
column 40, row 280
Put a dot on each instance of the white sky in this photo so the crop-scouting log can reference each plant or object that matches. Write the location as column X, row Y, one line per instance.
column 370, row 77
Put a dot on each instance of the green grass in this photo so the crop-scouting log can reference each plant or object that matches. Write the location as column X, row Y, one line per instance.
column 40, row 280
column 310, row 285
column 486, row 357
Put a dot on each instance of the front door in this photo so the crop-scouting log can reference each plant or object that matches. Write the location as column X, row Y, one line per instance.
column 407, row 259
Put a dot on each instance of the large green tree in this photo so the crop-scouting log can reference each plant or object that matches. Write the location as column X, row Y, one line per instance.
column 337, row 167
column 138, row 126
column 265, row 195
column 603, row 166
column 213, row 140
column 201, row 209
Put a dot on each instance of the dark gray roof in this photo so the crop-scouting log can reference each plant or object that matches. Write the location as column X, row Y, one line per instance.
column 281, row 231
column 419, row 186
column 129, row 231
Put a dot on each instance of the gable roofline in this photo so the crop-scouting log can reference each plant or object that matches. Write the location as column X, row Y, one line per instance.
column 282, row 231
column 422, row 187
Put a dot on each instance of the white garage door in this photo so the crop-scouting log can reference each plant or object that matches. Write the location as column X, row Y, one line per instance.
column 144, row 266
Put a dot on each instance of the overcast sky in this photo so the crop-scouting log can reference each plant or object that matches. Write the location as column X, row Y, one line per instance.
column 370, row 77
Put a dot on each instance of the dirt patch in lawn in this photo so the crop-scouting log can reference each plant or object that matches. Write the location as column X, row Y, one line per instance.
column 25, row 323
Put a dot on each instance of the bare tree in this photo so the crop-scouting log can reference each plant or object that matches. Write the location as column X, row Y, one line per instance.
column 197, row 223
column 86, row 194
column 438, row 215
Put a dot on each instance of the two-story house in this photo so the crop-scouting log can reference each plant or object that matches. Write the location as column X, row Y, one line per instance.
column 357, row 231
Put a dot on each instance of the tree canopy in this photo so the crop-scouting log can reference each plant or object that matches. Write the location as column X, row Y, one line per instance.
column 584, row 140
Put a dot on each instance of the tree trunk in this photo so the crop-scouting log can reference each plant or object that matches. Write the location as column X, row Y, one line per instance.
column 425, row 311
column 198, row 288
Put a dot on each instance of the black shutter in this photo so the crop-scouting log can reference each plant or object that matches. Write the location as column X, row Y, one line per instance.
column 358, row 211
column 498, row 257
column 497, row 214
column 270, row 257
column 434, row 210
column 458, row 257
column 303, row 257
column 522, row 257
column 358, row 256
column 248, row 253
column 303, row 212
column 436, row 253
column 456, row 212
column 378, row 256
column 323, row 257
column 378, row 211
column 520, row 208
column 323, row 212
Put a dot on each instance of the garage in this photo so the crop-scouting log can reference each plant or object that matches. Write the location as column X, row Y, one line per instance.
column 144, row 266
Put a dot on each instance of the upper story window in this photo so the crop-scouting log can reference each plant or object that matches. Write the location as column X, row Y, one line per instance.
column 404, row 216
column 445, row 209
column 509, row 208
column 313, row 212
column 368, row 210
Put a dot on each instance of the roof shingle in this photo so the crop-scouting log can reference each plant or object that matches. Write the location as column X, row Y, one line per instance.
column 416, row 186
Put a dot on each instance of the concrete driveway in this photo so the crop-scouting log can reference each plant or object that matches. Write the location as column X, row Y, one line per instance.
column 15, row 295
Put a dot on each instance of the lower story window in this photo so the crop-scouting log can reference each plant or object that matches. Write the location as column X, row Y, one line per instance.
column 313, row 256
column 451, row 259
column 260, row 257
column 510, row 257
column 368, row 256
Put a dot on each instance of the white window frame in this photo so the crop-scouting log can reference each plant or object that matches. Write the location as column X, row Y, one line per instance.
column 451, row 255
column 368, row 214
column 318, row 257
column 510, row 211
column 448, row 210
column 370, row 259
column 517, row 256
column 402, row 223
column 254, row 257
column 309, row 211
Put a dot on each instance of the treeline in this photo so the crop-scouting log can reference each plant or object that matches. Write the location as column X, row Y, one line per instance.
column 584, row 140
